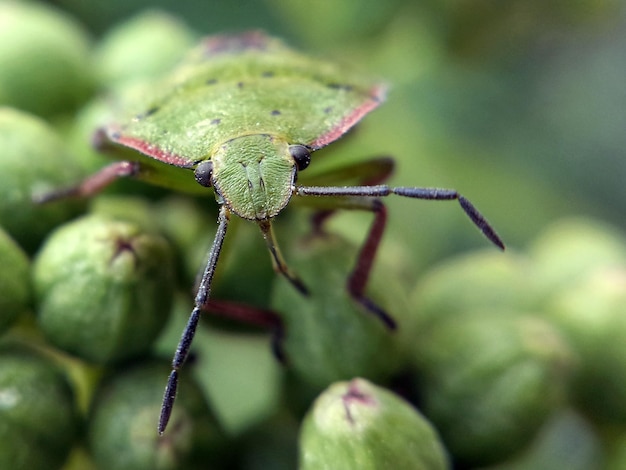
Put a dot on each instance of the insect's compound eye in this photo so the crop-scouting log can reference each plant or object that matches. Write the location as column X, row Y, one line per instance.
column 204, row 173
column 301, row 155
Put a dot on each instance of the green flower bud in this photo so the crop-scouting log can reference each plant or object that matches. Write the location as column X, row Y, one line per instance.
column 567, row 440
column 34, row 161
column 144, row 46
column 122, row 430
column 14, row 281
column 103, row 288
column 490, row 382
column 45, row 59
column 478, row 280
column 572, row 248
column 358, row 425
column 38, row 419
column 134, row 209
column 592, row 315
column 327, row 335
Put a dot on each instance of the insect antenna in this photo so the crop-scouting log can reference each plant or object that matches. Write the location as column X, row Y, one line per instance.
column 204, row 291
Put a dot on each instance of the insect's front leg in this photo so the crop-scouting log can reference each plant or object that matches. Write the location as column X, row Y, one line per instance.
column 94, row 183
column 202, row 298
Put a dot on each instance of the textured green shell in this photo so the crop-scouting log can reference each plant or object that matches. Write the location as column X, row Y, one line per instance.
column 231, row 86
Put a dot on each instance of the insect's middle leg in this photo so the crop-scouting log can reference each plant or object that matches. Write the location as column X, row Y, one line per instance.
column 363, row 173
column 358, row 277
column 251, row 315
column 357, row 281
column 93, row 184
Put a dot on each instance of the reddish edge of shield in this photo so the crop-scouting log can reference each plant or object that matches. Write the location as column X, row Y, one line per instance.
column 150, row 150
column 377, row 96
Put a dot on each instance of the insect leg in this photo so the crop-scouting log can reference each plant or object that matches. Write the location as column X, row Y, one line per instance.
column 359, row 276
column 92, row 184
column 253, row 316
column 357, row 280
column 202, row 297
column 277, row 258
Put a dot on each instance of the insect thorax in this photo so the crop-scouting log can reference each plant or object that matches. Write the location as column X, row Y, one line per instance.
column 254, row 174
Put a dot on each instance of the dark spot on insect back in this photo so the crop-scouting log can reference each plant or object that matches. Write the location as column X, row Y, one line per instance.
column 339, row 86
column 267, row 74
column 328, row 109
column 147, row 113
column 275, row 112
column 211, row 81
column 215, row 122
column 239, row 85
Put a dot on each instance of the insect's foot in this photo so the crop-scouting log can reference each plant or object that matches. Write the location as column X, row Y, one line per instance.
column 374, row 309
column 278, row 337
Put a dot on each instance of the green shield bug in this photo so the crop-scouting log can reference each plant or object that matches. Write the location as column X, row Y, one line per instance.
column 245, row 113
